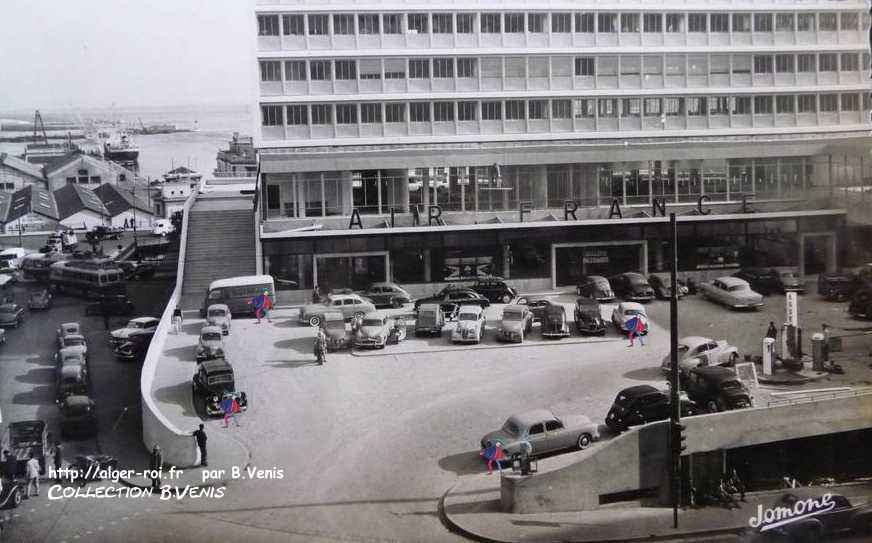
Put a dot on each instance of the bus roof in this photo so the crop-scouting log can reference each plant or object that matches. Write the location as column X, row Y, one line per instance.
column 18, row 251
column 243, row 281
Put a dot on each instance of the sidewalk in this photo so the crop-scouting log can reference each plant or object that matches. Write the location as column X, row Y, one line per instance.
column 472, row 509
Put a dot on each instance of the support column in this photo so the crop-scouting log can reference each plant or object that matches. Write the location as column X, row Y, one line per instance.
column 301, row 273
column 425, row 187
column 507, row 260
column 347, row 191
column 540, row 187
column 378, row 184
column 427, row 275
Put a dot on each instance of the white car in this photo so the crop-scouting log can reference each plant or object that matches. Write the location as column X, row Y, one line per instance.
column 625, row 311
column 470, row 325
column 695, row 351
column 139, row 325
column 731, row 292
column 162, row 227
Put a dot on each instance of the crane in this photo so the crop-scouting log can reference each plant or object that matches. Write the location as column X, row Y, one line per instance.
column 37, row 124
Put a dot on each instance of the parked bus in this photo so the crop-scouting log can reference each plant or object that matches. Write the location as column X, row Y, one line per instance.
column 236, row 292
column 93, row 277
column 10, row 259
column 36, row 266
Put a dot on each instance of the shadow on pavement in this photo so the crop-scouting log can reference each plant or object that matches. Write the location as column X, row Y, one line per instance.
column 289, row 323
column 176, row 394
column 300, row 344
column 291, row 364
column 463, row 463
column 37, row 376
column 192, row 328
column 40, row 395
column 645, row 374
column 183, row 354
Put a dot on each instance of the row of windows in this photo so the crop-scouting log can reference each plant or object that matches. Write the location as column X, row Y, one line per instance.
column 560, row 108
column 318, row 24
column 540, row 66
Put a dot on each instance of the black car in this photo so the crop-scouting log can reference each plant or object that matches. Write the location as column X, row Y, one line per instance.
column 78, row 417
column 537, row 306
column 861, row 303
column 387, row 295
column 641, row 404
column 100, row 232
column 495, row 289
column 763, row 280
column 662, row 285
column 837, row 286
column 632, row 287
column 716, row 388
column 791, row 281
column 213, row 381
column 588, row 317
column 596, row 287
column 554, row 323
column 137, row 270
column 11, row 494
column 451, row 297
column 135, row 348
column 116, row 305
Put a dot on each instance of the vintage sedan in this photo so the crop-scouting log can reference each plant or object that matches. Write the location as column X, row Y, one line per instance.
column 139, row 325
column 333, row 324
column 11, row 494
column 210, row 345
column 662, row 285
column 694, row 351
column 74, row 342
column 470, row 325
column 212, row 381
column 632, row 287
column 626, row 311
column 819, row 523
column 430, row 320
column 135, row 348
column 11, row 315
column 642, row 404
column 350, row 305
column 766, row 281
column 219, row 315
column 588, row 317
column 544, row 431
column 494, row 289
column 452, row 297
column 78, row 417
column 790, row 281
column 596, row 287
column 387, row 295
column 537, row 306
column 555, row 323
column 71, row 379
column 41, row 299
column 516, row 323
column 716, row 389
column 68, row 328
column 731, row 292
column 375, row 330
column 70, row 357
column 837, row 286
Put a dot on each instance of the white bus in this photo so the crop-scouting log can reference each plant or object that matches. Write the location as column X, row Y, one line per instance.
column 36, row 266
column 87, row 277
column 10, row 259
column 236, row 292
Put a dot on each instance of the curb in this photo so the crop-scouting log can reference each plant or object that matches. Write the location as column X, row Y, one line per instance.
column 455, row 528
column 379, row 352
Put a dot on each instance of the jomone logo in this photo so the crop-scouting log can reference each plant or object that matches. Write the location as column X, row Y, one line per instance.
column 767, row 519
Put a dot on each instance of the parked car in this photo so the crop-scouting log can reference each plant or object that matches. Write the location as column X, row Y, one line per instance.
column 546, row 432
column 625, row 311
column 596, row 287
column 861, row 303
column 139, row 325
column 731, row 292
column 210, row 345
column 350, row 305
column 555, row 324
column 135, row 348
column 451, row 298
column 537, row 306
column 430, row 320
column 74, row 342
column 516, row 323
column 791, row 281
column 111, row 304
column 134, row 270
column 68, row 328
column 588, row 317
column 219, row 315
column 470, row 325
column 819, row 526
column 763, row 280
column 11, row 494
column 495, row 289
column 78, row 416
column 694, row 351
column 377, row 330
column 836, row 286
column 11, row 315
column 41, row 299
column 71, row 379
column 338, row 337
column 632, row 286
column 661, row 283
column 716, row 389
column 212, row 381
column 642, row 404
column 387, row 295
column 70, row 358
column 101, row 232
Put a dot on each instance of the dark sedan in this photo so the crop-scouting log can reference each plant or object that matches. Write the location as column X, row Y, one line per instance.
column 450, row 298
column 662, row 285
column 596, row 287
column 763, row 280
column 538, row 306
column 837, row 286
column 642, row 404
column 632, row 287
column 387, row 295
column 11, row 315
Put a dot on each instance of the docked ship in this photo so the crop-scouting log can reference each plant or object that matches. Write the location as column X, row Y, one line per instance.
column 123, row 151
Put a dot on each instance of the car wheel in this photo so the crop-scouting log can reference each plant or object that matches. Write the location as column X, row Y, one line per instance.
column 506, row 298
column 16, row 498
column 315, row 320
column 712, row 406
column 584, row 441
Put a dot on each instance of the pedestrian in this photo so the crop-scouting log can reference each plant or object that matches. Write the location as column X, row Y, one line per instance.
column 826, row 350
column 737, row 484
column 200, row 435
column 32, row 473
column 493, row 453
column 316, row 295
column 155, row 466
column 635, row 328
column 10, row 466
column 229, row 406
column 772, row 332
column 58, row 460
column 177, row 320
column 262, row 304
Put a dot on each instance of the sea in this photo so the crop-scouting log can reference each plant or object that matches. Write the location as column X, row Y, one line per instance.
column 158, row 153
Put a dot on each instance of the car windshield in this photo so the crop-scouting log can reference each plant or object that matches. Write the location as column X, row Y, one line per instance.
column 77, row 410
column 426, row 317
column 72, row 360
column 74, row 341
column 7, row 258
column 638, row 280
column 134, row 324
column 600, row 282
column 211, row 336
column 789, row 275
column 733, row 384
column 633, row 312
column 511, row 315
column 221, row 378
column 373, row 322
column 217, row 313
column 468, row 317
column 511, row 428
column 737, row 288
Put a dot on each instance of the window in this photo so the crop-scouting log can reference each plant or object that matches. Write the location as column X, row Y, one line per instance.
column 675, row 22
column 631, row 107
column 720, row 64
column 270, row 70
column 466, row 67
column 343, row 24
column 762, row 22
column 395, row 113
column 762, row 64
column 392, row 23
column 465, row 23
column 318, row 25
column 673, row 107
column 607, row 66
column 827, row 62
column 720, row 105
column 466, row 111
column 443, row 111
column 561, row 109
column 584, row 66
column 827, row 22
column 784, row 103
column 491, row 68
column 418, row 23
column 741, row 64
column 652, row 107
column 295, row 70
column 784, row 22
column 537, row 429
column 866, row 61
column 629, row 22
column 443, row 23
column 784, row 64
column 653, row 65
column 720, row 22
column 369, row 68
column 298, row 115
column 805, row 22
column 741, row 22
column 652, row 22
column 419, row 112
column 537, row 66
column 322, row 114
column 516, row 67
column 516, row 110
column 346, row 69
column 696, row 106
column 514, row 23
column 805, row 63
column 419, row 68
column 490, row 23
column 675, row 64
column 850, row 102
column 606, row 107
column 537, row 109
column 584, row 23
column 536, row 22
column 319, row 70
column 850, row 62
column 807, row 103
column 697, row 65
column 267, row 25
column 553, row 425
column 491, row 111
column 829, row 103
column 741, row 105
column 850, row 21
column 762, row 105
column 561, row 23
column 94, row 179
column 443, row 67
column 370, row 113
column 367, row 24
column 697, row 22
column 583, row 108
column 293, row 25
column 606, row 22
column 272, row 115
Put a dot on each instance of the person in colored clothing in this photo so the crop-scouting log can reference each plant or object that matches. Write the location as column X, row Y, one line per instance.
column 229, row 407
column 635, row 327
column 262, row 304
column 493, row 453
column 32, row 472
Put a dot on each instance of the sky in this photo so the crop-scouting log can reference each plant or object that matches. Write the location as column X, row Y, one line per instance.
column 58, row 54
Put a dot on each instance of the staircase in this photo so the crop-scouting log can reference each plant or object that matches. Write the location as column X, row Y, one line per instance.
column 220, row 243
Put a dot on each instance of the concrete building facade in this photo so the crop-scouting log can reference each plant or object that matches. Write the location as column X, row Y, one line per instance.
column 90, row 171
column 15, row 173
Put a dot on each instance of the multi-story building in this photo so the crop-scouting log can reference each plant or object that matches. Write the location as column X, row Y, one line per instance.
column 551, row 134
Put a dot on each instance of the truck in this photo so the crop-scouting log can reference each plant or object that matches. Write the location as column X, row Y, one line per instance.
column 24, row 437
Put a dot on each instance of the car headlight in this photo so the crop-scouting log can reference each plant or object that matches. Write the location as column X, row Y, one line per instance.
column 200, row 349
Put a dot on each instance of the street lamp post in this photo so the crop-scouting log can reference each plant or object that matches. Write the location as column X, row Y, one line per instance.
column 20, row 241
column 135, row 240
column 675, row 428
